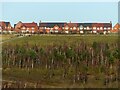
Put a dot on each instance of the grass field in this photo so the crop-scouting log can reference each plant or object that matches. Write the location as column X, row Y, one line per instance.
column 6, row 37
column 62, row 39
column 40, row 75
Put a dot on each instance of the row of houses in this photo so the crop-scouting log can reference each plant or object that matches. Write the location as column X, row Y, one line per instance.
column 59, row 27
column 5, row 27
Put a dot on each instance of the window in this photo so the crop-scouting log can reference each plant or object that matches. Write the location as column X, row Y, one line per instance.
column 88, row 28
column 74, row 28
column 94, row 31
column 66, row 32
column 51, row 30
column 85, row 28
column 108, row 31
column 105, row 28
column 56, row 27
column 108, row 28
column 94, row 28
column 32, row 31
column 32, row 27
column 98, row 28
column 27, row 30
column 48, row 28
column 101, row 28
column 81, row 32
column 81, row 27
column 66, row 28
column 23, row 27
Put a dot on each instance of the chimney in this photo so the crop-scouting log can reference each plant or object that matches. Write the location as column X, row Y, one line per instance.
column 70, row 21
column 110, row 22
column 19, row 22
column 39, row 22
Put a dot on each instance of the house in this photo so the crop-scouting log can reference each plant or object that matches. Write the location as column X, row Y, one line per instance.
column 97, row 28
column 116, row 28
column 17, row 27
column 73, row 27
column 63, row 27
column 81, row 28
column 101, row 27
column 107, row 27
column 85, row 28
column 5, row 27
column 50, row 27
column 26, row 27
column 2, row 27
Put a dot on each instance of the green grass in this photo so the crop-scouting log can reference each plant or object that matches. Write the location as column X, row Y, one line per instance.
column 60, row 40
column 6, row 37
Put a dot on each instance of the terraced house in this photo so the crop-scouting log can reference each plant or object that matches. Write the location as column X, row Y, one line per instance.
column 26, row 27
column 70, row 27
column 59, row 27
column 51, row 27
column 102, row 27
column 5, row 27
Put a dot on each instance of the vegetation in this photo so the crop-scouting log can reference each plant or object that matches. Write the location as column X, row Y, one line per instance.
column 52, row 60
column 6, row 37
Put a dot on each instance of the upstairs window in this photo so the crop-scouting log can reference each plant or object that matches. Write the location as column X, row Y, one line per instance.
column 23, row 27
column 98, row 28
column 94, row 28
column 66, row 28
column 74, row 28
column 88, row 28
column 56, row 27
column 101, row 28
column 81, row 27
column 105, row 28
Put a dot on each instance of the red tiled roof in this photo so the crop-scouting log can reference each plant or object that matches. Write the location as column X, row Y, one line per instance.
column 29, row 25
column 2, row 23
column 72, row 24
